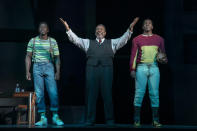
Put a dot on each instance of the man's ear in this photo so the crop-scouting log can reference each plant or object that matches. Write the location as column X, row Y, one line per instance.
column 105, row 33
column 143, row 27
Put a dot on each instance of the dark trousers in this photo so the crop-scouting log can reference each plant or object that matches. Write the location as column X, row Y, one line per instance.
column 99, row 78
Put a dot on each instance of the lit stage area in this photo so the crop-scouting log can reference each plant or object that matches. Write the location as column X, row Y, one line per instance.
column 174, row 20
column 97, row 127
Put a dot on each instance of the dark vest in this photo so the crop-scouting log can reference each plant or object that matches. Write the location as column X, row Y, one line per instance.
column 100, row 54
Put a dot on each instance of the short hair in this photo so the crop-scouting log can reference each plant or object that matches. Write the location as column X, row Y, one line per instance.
column 146, row 20
column 101, row 25
column 43, row 22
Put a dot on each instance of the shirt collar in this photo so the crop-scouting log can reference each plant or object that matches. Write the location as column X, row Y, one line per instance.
column 147, row 35
column 102, row 40
column 38, row 37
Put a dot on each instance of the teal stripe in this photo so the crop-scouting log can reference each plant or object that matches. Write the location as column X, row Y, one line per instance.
column 42, row 47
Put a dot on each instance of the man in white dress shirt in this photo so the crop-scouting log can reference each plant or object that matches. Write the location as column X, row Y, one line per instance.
column 99, row 68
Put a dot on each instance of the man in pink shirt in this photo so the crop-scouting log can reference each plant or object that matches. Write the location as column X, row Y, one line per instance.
column 144, row 68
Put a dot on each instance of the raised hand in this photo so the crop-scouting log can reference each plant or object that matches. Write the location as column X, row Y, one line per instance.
column 65, row 24
column 133, row 23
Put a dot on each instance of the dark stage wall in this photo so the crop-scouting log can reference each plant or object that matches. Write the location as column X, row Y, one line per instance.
column 175, row 20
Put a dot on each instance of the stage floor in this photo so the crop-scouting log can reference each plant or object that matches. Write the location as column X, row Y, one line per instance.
column 99, row 127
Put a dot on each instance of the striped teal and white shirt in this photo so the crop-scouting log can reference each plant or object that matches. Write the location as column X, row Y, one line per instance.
column 41, row 51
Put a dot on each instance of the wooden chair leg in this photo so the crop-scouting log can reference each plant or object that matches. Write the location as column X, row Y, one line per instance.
column 33, row 116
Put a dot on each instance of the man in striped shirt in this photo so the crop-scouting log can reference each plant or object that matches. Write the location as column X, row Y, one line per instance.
column 42, row 51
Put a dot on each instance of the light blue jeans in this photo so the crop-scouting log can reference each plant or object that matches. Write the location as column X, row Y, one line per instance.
column 147, row 73
column 43, row 72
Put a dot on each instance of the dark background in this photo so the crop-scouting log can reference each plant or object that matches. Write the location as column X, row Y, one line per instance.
column 174, row 20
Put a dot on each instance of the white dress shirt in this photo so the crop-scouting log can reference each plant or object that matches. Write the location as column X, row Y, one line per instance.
column 85, row 43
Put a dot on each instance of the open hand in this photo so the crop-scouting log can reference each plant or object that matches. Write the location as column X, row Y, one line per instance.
column 65, row 24
column 133, row 23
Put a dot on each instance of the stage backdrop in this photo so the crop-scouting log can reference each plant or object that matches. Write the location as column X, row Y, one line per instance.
column 174, row 20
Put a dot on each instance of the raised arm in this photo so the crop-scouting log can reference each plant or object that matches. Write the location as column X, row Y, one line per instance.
column 120, row 42
column 81, row 43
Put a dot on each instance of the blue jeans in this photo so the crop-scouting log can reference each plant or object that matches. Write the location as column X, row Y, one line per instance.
column 147, row 73
column 43, row 72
